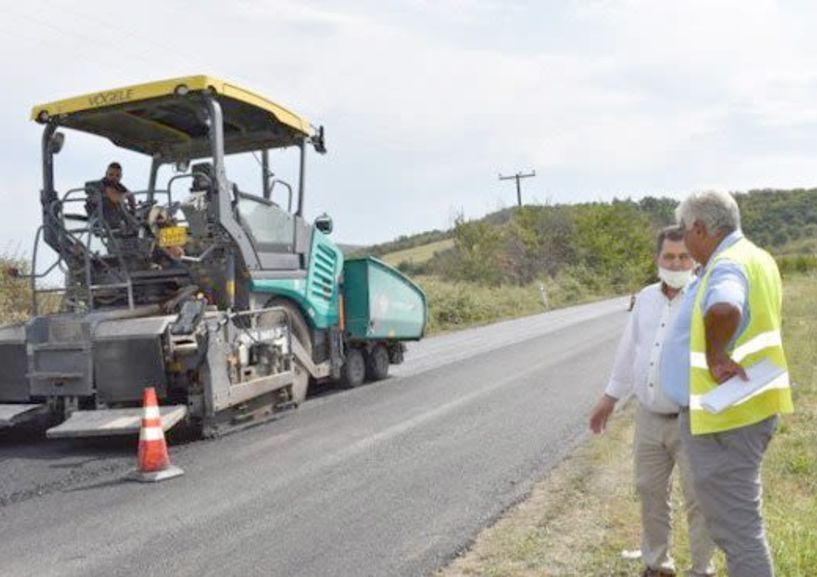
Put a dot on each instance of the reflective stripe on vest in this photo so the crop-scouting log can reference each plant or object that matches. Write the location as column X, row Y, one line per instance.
column 756, row 344
column 760, row 340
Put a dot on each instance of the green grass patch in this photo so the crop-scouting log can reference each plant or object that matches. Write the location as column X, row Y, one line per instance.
column 418, row 254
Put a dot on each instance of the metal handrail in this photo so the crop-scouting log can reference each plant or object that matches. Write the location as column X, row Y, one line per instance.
column 288, row 187
column 81, row 236
column 75, row 235
column 185, row 176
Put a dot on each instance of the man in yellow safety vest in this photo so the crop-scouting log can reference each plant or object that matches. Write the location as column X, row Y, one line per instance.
column 729, row 320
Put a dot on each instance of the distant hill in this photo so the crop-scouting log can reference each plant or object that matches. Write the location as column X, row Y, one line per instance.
column 419, row 254
column 613, row 239
column 404, row 242
column 776, row 218
column 349, row 249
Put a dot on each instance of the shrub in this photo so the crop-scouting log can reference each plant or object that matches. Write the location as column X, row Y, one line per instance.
column 15, row 293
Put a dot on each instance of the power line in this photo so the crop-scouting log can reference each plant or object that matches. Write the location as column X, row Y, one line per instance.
column 44, row 40
column 162, row 46
column 86, row 40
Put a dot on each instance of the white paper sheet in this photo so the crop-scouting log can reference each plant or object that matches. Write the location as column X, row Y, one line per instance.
column 762, row 376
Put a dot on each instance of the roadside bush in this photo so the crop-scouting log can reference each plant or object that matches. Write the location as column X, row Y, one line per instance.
column 799, row 264
column 599, row 243
column 412, row 268
column 455, row 305
column 15, row 293
column 479, row 255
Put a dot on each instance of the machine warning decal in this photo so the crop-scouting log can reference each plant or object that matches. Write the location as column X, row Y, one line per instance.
column 172, row 236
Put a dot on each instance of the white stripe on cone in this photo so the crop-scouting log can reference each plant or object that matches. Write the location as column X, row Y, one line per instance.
column 152, row 413
column 151, row 434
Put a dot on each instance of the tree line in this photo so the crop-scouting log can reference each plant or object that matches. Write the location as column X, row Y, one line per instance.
column 603, row 244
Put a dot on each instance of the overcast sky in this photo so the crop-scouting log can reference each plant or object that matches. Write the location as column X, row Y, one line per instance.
column 425, row 102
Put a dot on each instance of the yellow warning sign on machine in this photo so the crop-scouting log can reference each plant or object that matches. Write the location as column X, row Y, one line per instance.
column 172, row 236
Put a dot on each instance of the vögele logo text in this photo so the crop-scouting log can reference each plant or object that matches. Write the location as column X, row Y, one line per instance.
column 110, row 97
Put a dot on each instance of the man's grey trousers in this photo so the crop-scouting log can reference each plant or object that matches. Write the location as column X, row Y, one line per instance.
column 726, row 475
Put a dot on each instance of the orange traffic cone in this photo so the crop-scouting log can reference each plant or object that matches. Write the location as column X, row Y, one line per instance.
column 154, row 462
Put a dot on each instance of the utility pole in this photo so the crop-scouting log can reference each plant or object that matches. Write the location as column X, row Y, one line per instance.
column 518, row 177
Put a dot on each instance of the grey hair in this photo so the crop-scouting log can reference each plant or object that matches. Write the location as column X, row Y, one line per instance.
column 715, row 209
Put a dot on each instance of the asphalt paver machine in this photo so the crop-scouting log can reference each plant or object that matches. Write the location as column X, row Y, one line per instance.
column 227, row 301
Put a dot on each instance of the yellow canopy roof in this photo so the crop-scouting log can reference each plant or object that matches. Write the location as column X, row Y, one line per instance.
column 165, row 118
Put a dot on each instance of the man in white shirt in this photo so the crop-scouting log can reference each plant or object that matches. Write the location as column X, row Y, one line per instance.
column 657, row 443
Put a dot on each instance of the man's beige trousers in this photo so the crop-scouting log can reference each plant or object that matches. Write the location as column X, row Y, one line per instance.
column 657, row 450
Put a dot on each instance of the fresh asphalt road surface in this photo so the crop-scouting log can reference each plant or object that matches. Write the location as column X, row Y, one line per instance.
column 393, row 478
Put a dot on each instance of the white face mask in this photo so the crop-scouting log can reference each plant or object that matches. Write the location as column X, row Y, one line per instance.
column 676, row 279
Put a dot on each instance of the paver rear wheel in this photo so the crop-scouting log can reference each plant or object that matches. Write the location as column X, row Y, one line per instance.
column 377, row 363
column 353, row 372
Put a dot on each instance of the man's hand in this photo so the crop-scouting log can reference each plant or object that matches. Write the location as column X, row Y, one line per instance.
column 723, row 368
column 601, row 413
column 721, row 323
column 175, row 252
